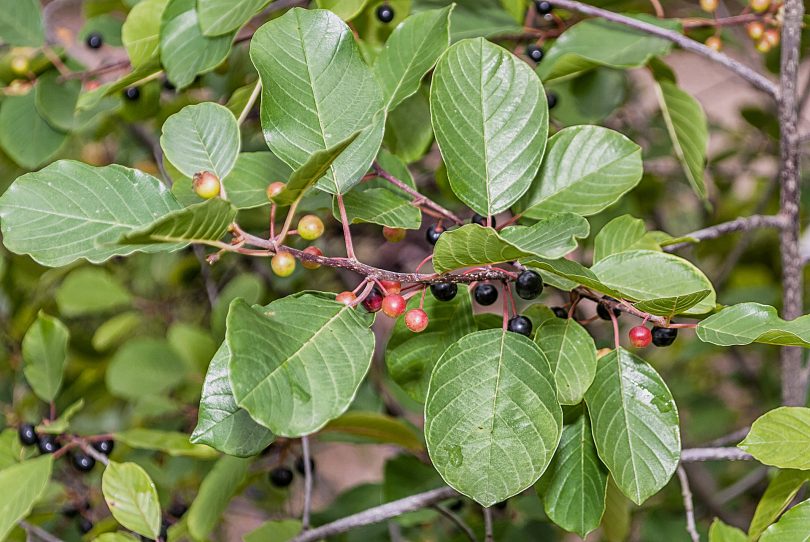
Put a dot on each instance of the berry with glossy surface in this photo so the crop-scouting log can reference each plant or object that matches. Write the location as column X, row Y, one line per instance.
column 393, row 235
column 274, row 189
column 94, row 40
column 299, row 465
column 709, row 6
column 385, row 14
column 315, row 251
column 755, row 30
column 28, row 436
column 602, row 310
column 771, row 36
column 82, row 462
column 20, row 65
column 640, row 336
column 560, row 312
column 178, row 509
column 444, row 291
column 310, row 227
column 84, row 525
column 347, row 298
column 104, row 446
column 543, row 7
column 393, row 305
column 714, row 42
column 283, row 264
column 529, row 285
column 206, row 184
column 663, row 336
column 132, row 93
column 485, row 294
column 391, row 286
column 535, row 53
column 433, row 232
column 551, row 98
column 47, row 444
column 759, row 5
column 416, row 320
column 373, row 301
column 281, row 477
column 763, row 46
column 520, row 324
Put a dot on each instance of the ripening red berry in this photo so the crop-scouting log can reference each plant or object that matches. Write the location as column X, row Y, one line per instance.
column 373, row 301
column 771, row 35
column 315, row 251
column 755, row 30
column 347, row 298
column 310, row 227
column 640, row 336
column 393, row 235
column 206, row 184
column 416, row 320
column 283, row 264
column 391, row 286
column 274, row 189
column 393, row 305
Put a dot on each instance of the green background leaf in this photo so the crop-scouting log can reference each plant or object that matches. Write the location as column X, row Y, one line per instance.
column 781, row 437
column 753, row 322
column 140, row 32
column 777, row 497
column 792, row 527
column 23, row 484
column 25, row 135
column 216, row 492
column 132, row 498
column 222, row 16
column 44, row 352
column 21, row 23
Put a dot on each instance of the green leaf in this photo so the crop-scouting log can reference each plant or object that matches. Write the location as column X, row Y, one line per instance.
column 277, row 530
column 132, row 498
column 118, row 536
column 406, row 475
column 25, row 135
column 482, row 100
column 93, row 99
column 247, row 286
column 56, row 100
column 569, row 274
column 44, row 352
column 298, row 362
column 222, row 16
column 792, row 527
column 62, row 423
column 746, row 323
column 583, row 47
column 670, row 306
column 221, row 424
column 586, row 170
column 574, row 497
column 616, row 519
column 317, row 91
column 22, row 484
column 21, row 25
column 635, row 424
column 621, row 234
column 144, row 366
column 316, row 166
column 197, row 223
column 688, row 130
column 781, row 438
column 589, row 98
column 382, row 206
column 572, row 354
column 170, row 442
column 472, row 244
column 474, row 18
column 202, row 137
column 215, row 494
column 90, row 290
column 184, row 51
column 408, row 133
column 777, row 497
column 377, row 428
column 720, row 532
column 140, row 32
column 345, row 9
column 647, row 275
column 492, row 421
column 116, row 330
column 247, row 182
column 94, row 207
column 410, row 52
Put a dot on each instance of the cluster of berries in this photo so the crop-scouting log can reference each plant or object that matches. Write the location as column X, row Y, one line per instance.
column 48, row 444
column 764, row 33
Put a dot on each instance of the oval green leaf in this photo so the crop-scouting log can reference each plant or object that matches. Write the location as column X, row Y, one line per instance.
column 215, row 494
column 752, row 322
column 781, row 438
column 44, row 352
column 132, row 498
column 22, row 484
column 792, row 527
column 572, row 354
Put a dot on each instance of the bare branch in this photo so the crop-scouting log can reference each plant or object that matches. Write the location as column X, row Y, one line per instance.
column 377, row 514
column 418, row 198
column 732, row 438
column 446, row 512
column 687, row 505
column 714, row 454
column 488, row 535
column 307, row 482
column 724, row 228
column 756, row 79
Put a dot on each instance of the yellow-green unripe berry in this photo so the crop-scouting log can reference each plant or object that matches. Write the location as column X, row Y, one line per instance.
column 274, row 189
column 283, row 264
column 206, row 184
column 310, row 227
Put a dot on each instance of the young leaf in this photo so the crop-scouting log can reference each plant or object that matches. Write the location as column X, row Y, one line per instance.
column 21, row 24
column 140, row 32
column 219, row 17
column 173, row 443
column 22, row 484
column 572, row 354
column 720, row 532
column 202, row 137
column 247, row 182
column 316, row 91
column 55, row 100
column 586, row 169
column 221, row 424
column 94, row 208
column 410, row 52
column 62, row 423
column 492, row 420
column 377, row 428
column 635, row 424
column 215, row 494
column 574, row 496
column 483, row 100
column 752, row 322
column 132, row 498
column 781, row 437
column 297, row 363
column 777, row 497
column 408, row 133
column 688, row 130
column 792, row 527
column 90, row 291
column 25, row 135
column 621, row 234
column 44, row 352
column 197, row 223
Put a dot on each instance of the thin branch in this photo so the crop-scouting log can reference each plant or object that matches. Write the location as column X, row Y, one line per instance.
column 418, row 198
column 488, row 534
column 714, row 454
column 307, row 482
column 756, row 79
column 743, row 18
column 35, row 531
column 446, row 512
column 732, row 438
column 211, row 289
column 687, row 505
column 724, row 228
column 377, row 514
column 257, row 90
column 742, row 485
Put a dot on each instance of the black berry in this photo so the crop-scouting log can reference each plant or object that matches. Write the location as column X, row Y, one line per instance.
column 104, row 446
column 520, row 324
column 281, row 477
column 299, row 465
column 664, row 336
column 433, row 232
column 485, row 294
column 178, row 509
column 535, row 53
column 551, row 98
column 28, row 436
column 132, row 93
column 482, row 220
column 559, row 312
column 82, row 462
column 47, row 444
column 84, row 525
column 529, row 285
column 168, row 85
column 444, row 291
column 94, row 40
column 385, row 14
column 543, row 7
column 602, row 310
